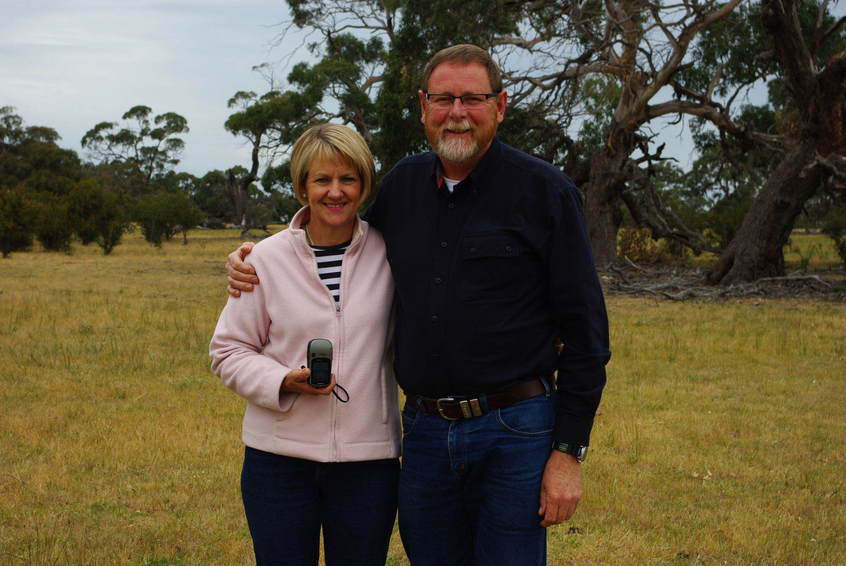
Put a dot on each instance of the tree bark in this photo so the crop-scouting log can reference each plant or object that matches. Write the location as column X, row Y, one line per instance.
column 757, row 249
column 606, row 181
column 239, row 199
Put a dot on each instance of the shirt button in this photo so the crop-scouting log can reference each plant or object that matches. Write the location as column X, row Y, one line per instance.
column 508, row 249
column 443, row 244
column 434, row 318
column 438, row 280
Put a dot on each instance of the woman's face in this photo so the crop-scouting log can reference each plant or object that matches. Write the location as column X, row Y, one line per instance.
column 333, row 191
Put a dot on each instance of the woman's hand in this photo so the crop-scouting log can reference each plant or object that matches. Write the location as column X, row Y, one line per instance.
column 297, row 382
column 241, row 276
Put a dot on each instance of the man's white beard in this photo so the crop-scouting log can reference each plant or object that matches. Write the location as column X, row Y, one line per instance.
column 456, row 149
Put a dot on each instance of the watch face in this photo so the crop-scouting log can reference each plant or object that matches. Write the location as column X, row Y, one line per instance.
column 575, row 450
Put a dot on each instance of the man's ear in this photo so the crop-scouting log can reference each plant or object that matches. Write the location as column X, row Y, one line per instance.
column 421, row 96
column 501, row 105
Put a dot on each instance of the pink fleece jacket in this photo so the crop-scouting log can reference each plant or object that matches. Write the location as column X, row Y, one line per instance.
column 263, row 335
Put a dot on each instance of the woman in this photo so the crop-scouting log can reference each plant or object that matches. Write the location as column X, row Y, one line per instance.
column 310, row 460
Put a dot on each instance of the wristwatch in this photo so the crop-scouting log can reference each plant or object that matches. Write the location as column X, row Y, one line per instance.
column 577, row 451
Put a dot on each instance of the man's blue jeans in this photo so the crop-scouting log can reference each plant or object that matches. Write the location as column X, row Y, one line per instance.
column 470, row 489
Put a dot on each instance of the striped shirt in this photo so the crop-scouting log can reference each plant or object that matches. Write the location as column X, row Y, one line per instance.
column 329, row 259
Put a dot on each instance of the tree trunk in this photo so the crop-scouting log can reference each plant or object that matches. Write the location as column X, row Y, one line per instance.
column 239, row 199
column 757, row 248
column 602, row 196
column 244, row 188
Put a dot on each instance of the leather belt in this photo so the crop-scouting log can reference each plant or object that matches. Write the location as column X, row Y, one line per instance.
column 467, row 407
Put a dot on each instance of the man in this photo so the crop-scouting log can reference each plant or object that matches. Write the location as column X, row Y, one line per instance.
column 493, row 272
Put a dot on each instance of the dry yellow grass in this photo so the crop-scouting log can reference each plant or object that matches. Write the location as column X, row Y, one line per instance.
column 720, row 439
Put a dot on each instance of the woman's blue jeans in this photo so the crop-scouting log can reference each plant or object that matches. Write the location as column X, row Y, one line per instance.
column 470, row 489
column 287, row 501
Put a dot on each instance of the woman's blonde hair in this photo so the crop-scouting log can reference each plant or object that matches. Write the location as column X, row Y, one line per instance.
column 326, row 141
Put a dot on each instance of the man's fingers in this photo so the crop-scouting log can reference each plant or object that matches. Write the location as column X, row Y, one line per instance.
column 240, row 270
column 236, row 285
column 556, row 513
column 245, row 248
column 241, row 275
column 236, row 258
column 550, row 512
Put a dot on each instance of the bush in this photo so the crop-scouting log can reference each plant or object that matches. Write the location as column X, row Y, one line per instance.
column 162, row 215
column 637, row 245
column 99, row 214
column 835, row 228
column 53, row 226
column 16, row 220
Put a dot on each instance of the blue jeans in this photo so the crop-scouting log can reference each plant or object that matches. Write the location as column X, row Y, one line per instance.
column 287, row 500
column 470, row 489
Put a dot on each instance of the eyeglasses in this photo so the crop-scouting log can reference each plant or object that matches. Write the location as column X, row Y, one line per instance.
column 467, row 100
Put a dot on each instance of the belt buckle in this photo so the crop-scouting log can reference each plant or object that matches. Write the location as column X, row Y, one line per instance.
column 441, row 410
column 469, row 408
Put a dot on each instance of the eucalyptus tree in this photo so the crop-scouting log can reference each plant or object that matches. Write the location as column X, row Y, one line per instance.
column 151, row 143
column 270, row 123
column 34, row 167
column 800, row 48
column 550, row 53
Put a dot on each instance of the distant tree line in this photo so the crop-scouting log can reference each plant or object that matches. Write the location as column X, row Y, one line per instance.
column 48, row 193
column 761, row 84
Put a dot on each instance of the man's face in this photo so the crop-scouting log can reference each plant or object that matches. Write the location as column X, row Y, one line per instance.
column 459, row 134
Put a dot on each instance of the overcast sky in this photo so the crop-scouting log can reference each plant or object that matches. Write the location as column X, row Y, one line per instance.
column 70, row 64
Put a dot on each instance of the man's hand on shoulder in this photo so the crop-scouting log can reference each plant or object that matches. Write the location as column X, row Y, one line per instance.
column 561, row 488
column 241, row 276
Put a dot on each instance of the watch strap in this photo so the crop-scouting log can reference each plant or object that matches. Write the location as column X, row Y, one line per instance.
column 577, row 451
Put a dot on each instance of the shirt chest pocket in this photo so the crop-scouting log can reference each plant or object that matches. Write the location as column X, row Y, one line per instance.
column 491, row 268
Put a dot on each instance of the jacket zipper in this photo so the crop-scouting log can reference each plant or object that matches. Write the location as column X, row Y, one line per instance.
column 345, row 269
column 339, row 330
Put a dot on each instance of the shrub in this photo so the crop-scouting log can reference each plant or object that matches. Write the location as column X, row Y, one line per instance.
column 53, row 226
column 16, row 220
column 835, row 228
column 161, row 215
column 99, row 214
column 637, row 245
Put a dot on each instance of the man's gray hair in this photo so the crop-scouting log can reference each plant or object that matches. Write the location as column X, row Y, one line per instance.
column 465, row 53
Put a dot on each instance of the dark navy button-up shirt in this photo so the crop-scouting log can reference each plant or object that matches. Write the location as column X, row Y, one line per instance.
column 489, row 278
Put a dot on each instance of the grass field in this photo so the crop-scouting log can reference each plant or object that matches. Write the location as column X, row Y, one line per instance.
column 721, row 439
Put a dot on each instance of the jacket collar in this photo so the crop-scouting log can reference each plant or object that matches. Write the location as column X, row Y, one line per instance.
column 297, row 229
